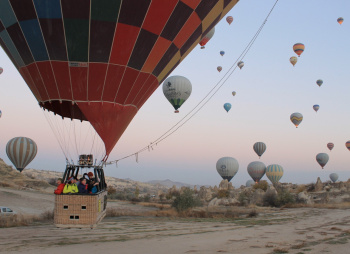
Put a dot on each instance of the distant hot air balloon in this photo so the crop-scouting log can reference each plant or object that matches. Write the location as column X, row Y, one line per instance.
column 274, row 172
column 293, row 60
column 206, row 38
column 1, row 70
column 256, row 170
column 340, row 20
column 0, row 113
column 249, row 183
column 259, row 148
column 347, row 144
column 334, row 177
column 227, row 167
column 296, row 118
column 316, row 107
column 227, row 107
column 298, row 48
column 319, row 82
column 222, row 53
column 233, row 93
column 21, row 151
column 330, row 146
column 177, row 89
column 322, row 159
column 240, row 64
column 229, row 19
column 219, row 68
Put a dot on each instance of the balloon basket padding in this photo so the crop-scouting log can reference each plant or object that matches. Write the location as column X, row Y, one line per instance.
column 176, row 111
column 79, row 210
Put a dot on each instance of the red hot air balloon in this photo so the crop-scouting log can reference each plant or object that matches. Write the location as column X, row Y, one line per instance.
column 207, row 37
column 229, row 19
column 330, row 146
column 100, row 61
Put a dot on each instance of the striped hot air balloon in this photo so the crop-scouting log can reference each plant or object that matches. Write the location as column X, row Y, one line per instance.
column 256, row 170
column 340, row 20
column 330, row 146
column 227, row 167
column 347, row 144
column 296, row 118
column 298, row 48
column 316, row 107
column 259, row 148
column 1, row 70
column 229, row 19
column 274, row 172
column 240, row 64
column 293, row 60
column 21, row 151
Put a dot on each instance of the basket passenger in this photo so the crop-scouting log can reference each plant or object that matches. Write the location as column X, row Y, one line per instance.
column 60, row 186
column 70, row 187
column 83, row 187
column 92, row 183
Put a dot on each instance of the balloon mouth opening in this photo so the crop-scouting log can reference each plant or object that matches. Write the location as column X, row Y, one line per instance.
column 176, row 111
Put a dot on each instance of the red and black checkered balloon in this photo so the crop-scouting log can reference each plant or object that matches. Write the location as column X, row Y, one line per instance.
column 100, row 60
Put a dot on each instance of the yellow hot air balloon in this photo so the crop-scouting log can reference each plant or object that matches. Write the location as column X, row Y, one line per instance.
column 298, row 48
column 293, row 60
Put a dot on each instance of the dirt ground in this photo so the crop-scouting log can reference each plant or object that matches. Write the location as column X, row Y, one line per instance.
column 299, row 230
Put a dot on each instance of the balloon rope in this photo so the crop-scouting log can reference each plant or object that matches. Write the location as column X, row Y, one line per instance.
column 207, row 98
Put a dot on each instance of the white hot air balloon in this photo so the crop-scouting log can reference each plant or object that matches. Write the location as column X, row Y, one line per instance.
column 240, row 64
column 334, row 177
column 227, row 167
column 177, row 89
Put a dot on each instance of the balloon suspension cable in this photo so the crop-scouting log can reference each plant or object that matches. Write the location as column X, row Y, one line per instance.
column 206, row 98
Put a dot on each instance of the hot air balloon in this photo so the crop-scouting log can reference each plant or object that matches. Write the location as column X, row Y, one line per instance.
column 21, row 151
column 334, row 177
column 256, row 170
column 296, row 118
column 219, row 68
column 249, row 183
column 340, row 20
column 274, row 172
column 229, row 19
column 322, row 159
column 316, row 107
column 222, row 53
column 319, row 82
column 259, row 148
column 233, row 93
column 240, row 64
column 177, row 89
column 293, row 60
column 0, row 113
column 298, row 48
column 1, row 70
column 330, row 146
column 227, row 167
column 206, row 38
column 227, row 107
column 347, row 144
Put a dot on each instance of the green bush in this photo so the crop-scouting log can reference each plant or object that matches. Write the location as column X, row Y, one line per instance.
column 269, row 199
column 185, row 201
column 284, row 197
column 261, row 185
column 244, row 198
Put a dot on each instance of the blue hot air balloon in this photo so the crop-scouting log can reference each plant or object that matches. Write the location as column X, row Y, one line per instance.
column 222, row 53
column 227, row 107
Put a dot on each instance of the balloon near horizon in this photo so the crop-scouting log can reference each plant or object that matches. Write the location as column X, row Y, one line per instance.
column 99, row 61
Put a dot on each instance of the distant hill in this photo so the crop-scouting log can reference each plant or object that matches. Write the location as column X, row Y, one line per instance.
column 168, row 183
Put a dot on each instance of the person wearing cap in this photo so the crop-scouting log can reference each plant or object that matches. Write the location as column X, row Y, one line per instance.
column 60, row 186
column 92, row 182
column 70, row 187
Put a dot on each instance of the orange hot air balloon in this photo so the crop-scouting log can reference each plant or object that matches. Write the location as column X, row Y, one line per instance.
column 340, row 20
column 100, row 61
column 298, row 48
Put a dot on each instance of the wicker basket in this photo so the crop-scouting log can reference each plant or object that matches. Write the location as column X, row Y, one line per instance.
column 80, row 210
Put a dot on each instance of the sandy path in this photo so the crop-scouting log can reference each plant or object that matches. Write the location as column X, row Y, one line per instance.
column 303, row 230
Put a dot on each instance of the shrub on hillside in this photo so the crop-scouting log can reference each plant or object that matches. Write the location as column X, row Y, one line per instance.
column 244, row 198
column 185, row 201
column 284, row 197
column 223, row 194
column 261, row 185
column 269, row 199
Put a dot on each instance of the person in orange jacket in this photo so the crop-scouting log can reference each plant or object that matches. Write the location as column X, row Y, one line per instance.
column 60, row 186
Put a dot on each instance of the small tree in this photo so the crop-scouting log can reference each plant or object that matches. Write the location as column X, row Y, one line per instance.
column 185, row 201
column 137, row 192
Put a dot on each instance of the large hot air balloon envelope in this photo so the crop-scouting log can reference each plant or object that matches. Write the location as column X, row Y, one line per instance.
column 322, row 159
column 259, row 148
column 222, row 53
column 177, row 89
column 298, row 48
column 296, row 118
column 219, row 68
column 229, row 19
column 334, row 177
column 1, row 70
column 319, row 82
column 293, row 60
column 316, row 107
column 256, row 170
column 227, row 167
column 21, row 151
column 340, row 20
column 274, row 172
column 207, row 38
column 330, row 146
column 240, row 64
column 347, row 144
column 227, row 107
column 101, row 60
column 249, row 183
